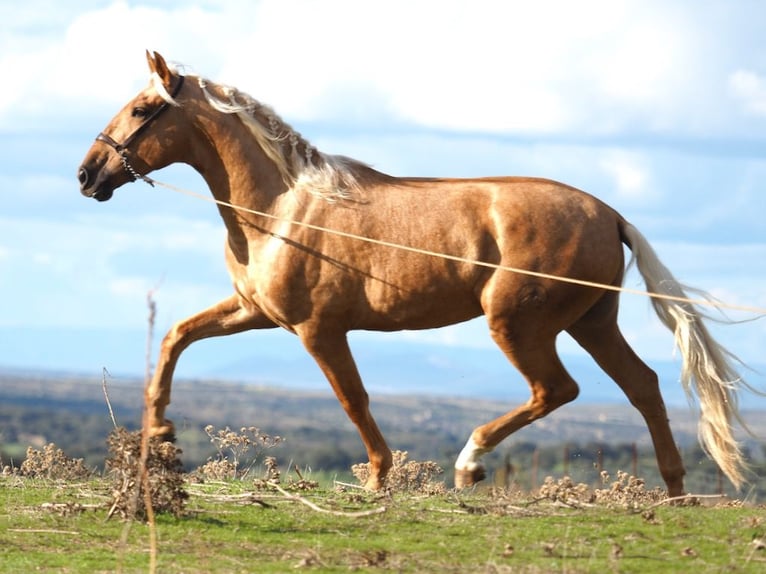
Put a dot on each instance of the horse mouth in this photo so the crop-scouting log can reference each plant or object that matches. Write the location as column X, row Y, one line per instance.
column 103, row 194
column 99, row 193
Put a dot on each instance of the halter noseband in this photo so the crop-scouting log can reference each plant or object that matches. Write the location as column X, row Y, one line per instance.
column 122, row 148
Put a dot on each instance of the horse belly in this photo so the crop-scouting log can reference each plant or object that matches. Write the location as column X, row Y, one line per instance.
column 421, row 296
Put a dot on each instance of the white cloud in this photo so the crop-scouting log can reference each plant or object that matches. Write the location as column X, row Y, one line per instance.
column 487, row 66
column 98, row 57
column 750, row 88
column 591, row 67
column 630, row 175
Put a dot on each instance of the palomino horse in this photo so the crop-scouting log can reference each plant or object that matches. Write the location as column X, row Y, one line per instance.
column 278, row 195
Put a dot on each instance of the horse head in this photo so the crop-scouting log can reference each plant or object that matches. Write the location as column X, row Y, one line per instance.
column 139, row 139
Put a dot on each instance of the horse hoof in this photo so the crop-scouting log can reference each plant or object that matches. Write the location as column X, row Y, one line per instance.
column 165, row 432
column 373, row 483
column 467, row 478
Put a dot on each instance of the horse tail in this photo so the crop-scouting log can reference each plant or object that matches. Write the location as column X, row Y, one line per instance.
column 707, row 368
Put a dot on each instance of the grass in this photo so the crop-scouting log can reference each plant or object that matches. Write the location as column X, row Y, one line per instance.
column 50, row 526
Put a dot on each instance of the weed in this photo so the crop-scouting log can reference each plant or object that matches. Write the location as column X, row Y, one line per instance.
column 52, row 463
column 216, row 469
column 564, row 490
column 627, row 491
column 237, row 452
column 406, row 476
column 164, row 470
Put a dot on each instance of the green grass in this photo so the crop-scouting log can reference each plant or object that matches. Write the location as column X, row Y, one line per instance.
column 50, row 527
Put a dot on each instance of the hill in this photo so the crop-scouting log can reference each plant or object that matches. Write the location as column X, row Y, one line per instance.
column 71, row 411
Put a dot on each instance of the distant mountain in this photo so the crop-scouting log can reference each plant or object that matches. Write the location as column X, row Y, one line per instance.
column 388, row 365
column 396, row 367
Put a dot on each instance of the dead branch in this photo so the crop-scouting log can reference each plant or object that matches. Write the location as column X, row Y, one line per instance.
column 312, row 506
column 104, row 375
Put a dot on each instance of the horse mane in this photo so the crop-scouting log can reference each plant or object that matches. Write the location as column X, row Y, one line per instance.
column 302, row 166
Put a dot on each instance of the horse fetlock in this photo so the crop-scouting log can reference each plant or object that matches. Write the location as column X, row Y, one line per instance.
column 472, row 452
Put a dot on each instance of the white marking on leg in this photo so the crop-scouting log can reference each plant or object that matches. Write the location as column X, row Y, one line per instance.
column 469, row 457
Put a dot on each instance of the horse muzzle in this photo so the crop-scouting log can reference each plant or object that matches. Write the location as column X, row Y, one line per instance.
column 94, row 186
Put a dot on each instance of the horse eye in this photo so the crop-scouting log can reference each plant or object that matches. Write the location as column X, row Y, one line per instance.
column 138, row 112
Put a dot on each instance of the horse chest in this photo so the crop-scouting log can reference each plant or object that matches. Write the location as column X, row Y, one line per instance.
column 272, row 281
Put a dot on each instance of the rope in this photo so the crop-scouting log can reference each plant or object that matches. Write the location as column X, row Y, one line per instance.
column 704, row 302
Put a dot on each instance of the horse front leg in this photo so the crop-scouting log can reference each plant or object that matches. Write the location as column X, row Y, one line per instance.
column 224, row 318
column 332, row 354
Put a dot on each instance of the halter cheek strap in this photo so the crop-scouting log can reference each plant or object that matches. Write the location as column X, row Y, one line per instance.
column 123, row 153
column 122, row 148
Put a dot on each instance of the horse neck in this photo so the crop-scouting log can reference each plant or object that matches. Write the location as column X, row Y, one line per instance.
column 235, row 168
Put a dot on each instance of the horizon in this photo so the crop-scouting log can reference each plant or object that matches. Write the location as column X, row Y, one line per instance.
column 403, row 368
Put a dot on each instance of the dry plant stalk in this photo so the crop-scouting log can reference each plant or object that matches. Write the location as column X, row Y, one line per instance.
column 316, row 508
column 238, row 453
column 104, row 375
column 145, row 442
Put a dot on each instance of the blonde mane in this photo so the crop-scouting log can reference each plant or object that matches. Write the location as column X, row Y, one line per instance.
column 303, row 168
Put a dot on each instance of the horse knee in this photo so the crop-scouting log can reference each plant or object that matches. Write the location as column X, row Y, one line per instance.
column 566, row 393
column 174, row 337
column 548, row 398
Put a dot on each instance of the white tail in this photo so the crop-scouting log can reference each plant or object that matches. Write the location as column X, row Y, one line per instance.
column 706, row 370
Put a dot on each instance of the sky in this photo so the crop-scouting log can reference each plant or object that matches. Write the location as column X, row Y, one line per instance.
column 656, row 107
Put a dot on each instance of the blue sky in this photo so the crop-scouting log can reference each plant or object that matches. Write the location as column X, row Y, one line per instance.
column 656, row 107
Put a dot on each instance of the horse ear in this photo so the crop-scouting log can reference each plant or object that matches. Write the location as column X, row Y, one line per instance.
column 157, row 64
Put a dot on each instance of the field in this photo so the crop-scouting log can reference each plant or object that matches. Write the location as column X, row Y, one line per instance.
column 244, row 511
column 229, row 526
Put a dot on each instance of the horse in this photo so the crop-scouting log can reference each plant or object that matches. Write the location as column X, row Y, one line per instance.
column 294, row 217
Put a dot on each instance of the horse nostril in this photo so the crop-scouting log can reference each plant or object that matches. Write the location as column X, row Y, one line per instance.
column 82, row 176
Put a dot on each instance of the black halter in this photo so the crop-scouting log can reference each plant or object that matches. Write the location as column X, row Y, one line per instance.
column 122, row 148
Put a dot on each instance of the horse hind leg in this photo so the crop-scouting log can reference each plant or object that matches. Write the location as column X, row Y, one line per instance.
column 536, row 358
column 598, row 333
